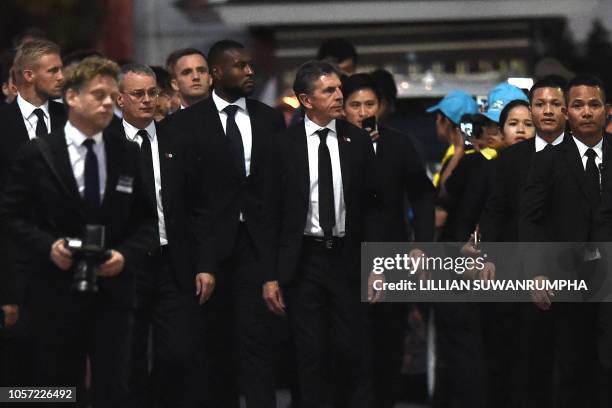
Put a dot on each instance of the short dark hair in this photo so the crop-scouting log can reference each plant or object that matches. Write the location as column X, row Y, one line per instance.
column 337, row 50
column 309, row 72
column 386, row 85
column 550, row 81
column 357, row 82
column 217, row 49
column 585, row 80
column 503, row 116
column 177, row 55
column 163, row 78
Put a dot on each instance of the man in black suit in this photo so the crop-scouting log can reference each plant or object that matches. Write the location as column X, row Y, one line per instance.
column 559, row 203
column 325, row 209
column 165, row 290
column 60, row 183
column 520, row 359
column 37, row 71
column 232, row 136
column 400, row 172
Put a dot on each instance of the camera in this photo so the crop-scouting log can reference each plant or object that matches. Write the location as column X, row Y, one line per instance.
column 88, row 254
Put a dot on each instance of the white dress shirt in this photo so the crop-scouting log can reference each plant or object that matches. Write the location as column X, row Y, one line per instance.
column 30, row 119
column 242, row 120
column 540, row 144
column 131, row 134
column 77, row 152
column 312, row 219
column 582, row 148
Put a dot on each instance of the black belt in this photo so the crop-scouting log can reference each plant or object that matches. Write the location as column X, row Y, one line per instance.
column 324, row 242
column 159, row 251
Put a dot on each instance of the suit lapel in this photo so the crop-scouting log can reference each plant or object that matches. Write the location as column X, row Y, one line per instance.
column 300, row 145
column 21, row 132
column 112, row 148
column 59, row 162
column 257, row 132
column 166, row 167
column 574, row 163
column 344, row 148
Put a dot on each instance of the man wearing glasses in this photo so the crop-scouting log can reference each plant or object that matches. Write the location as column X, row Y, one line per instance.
column 165, row 288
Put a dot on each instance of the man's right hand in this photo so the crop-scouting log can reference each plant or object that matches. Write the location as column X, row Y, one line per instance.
column 60, row 256
column 542, row 298
column 11, row 315
column 273, row 295
column 205, row 284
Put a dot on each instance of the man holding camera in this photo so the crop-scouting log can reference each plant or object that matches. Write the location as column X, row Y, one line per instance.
column 74, row 180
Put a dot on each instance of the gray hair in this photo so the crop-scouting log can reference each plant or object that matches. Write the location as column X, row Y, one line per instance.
column 135, row 68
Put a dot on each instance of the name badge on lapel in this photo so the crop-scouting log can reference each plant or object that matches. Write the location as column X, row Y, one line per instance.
column 125, row 184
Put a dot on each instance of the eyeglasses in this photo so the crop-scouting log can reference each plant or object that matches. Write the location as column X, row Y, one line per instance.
column 140, row 93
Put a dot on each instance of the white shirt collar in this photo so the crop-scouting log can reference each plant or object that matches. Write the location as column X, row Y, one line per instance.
column 311, row 127
column 131, row 130
column 221, row 103
column 582, row 148
column 76, row 137
column 27, row 109
column 540, row 143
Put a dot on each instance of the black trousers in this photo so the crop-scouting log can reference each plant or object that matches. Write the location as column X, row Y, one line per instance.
column 460, row 370
column 330, row 330
column 174, row 319
column 388, row 325
column 73, row 328
column 239, row 330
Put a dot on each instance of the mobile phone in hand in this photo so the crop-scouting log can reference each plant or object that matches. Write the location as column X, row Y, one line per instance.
column 369, row 123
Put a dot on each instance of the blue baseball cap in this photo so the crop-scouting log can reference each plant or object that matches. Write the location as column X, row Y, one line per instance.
column 455, row 105
column 499, row 97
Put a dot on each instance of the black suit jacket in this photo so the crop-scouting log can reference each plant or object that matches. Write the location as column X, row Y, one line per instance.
column 228, row 193
column 554, row 205
column 13, row 135
column 464, row 187
column 400, row 172
column 184, row 215
column 500, row 218
column 292, row 186
column 41, row 203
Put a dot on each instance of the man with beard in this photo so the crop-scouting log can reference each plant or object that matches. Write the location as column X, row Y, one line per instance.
column 37, row 71
column 59, row 186
column 232, row 137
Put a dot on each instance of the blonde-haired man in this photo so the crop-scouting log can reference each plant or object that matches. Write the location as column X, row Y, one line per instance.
column 37, row 74
column 76, row 177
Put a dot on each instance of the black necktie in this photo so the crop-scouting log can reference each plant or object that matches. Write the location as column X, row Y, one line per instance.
column 548, row 146
column 147, row 158
column 41, row 127
column 592, row 178
column 233, row 133
column 92, row 182
column 327, row 214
